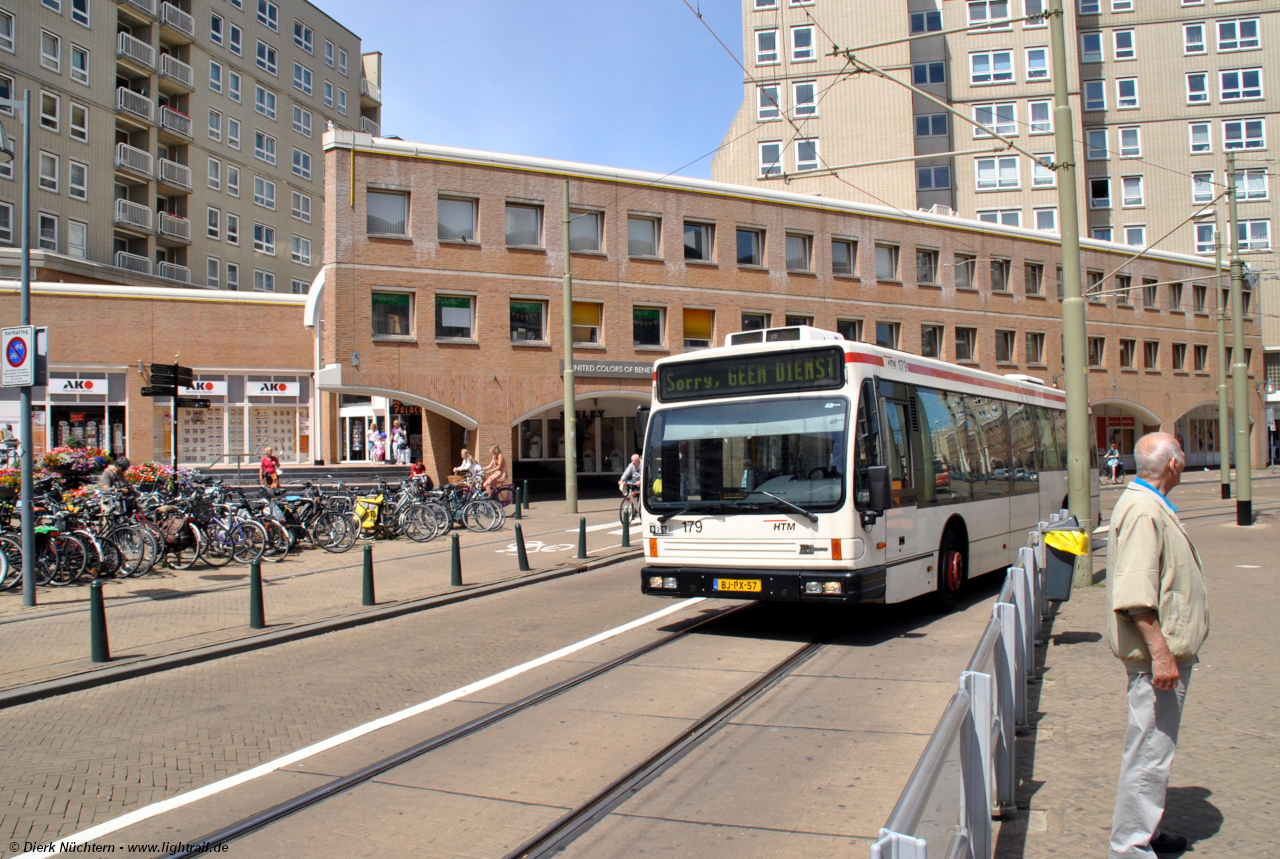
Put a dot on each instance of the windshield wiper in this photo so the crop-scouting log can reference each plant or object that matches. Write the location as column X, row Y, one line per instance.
column 812, row 517
column 683, row 510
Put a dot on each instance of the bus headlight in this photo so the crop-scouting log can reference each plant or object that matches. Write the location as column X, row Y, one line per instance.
column 832, row 588
column 664, row 582
column 813, row 587
column 824, row 588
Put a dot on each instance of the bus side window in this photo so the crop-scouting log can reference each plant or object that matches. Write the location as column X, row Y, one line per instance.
column 989, row 432
column 1022, row 431
column 940, row 445
column 901, row 465
column 1050, row 460
column 866, row 449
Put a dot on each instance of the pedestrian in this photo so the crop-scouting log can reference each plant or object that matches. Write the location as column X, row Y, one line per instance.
column 113, row 476
column 371, row 442
column 1158, row 617
column 496, row 471
column 269, row 469
column 399, row 443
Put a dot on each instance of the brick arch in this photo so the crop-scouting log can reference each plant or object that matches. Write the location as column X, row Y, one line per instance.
column 462, row 419
column 640, row 398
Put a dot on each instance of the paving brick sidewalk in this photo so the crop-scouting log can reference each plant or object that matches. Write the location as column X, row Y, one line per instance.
column 175, row 612
column 1225, row 790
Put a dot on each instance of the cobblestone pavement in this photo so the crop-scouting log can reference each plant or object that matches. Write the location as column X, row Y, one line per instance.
column 1225, row 789
column 172, row 612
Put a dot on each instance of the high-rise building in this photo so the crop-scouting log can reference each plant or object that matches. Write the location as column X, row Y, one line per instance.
column 179, row 141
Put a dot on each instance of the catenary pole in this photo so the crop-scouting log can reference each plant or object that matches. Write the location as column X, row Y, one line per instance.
column 24, row 428
column 1224, row 433
column 1073, row 309
column 570, row 400
column 1239, row 370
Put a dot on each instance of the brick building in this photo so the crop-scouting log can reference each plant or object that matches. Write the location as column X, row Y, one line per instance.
column 443, row 276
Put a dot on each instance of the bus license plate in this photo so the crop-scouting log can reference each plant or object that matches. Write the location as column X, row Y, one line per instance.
column 751, row 585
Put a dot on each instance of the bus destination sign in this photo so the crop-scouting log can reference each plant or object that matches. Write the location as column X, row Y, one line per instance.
column 772, row 373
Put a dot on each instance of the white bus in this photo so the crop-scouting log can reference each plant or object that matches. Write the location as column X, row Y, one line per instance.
column 791, row 464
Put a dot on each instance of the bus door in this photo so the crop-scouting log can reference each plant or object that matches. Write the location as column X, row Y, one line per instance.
column 902, row 534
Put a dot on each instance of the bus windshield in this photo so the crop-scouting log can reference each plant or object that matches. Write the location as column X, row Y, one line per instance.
column 750, row 455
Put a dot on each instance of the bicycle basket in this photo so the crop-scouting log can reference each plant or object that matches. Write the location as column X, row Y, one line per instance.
column 202, row 512
column 368, row 509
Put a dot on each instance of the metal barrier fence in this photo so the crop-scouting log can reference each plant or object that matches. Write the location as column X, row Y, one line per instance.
column 966, row 775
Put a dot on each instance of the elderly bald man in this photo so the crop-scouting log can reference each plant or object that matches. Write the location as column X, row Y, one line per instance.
column 1158, row 617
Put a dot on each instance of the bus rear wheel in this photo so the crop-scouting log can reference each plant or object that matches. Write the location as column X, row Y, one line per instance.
column 952, row 572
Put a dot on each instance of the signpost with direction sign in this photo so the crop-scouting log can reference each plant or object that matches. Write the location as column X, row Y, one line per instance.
column 170, row 380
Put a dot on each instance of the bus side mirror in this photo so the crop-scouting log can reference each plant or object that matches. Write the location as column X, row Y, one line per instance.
column 880, row 488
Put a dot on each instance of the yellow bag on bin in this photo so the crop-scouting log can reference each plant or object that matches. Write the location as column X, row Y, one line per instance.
column 1072, row 542
column 367, row 509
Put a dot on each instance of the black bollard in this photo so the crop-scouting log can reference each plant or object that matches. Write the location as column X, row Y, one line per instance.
column 582, row 537
column 626, row 533
column 518, row 516
column 455, row 565
column 521, row 554
column 99, row 649
column 257, row 617
column 526, row 495
column 368, row 597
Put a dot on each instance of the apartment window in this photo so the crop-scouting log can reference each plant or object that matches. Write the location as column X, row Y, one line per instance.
column 342, row 102
column 766, row 47
column 328, row 53
column 1097, row 351
column 528, row 320
column 1034, row 7
column 1238, row 35
column 926, row 266
column 1100, row 193
column 392, row 314
column 586, row 322
column 456, row 216
column 47, row 232
column 264, row 101
column 1130, row 142
column 1102, row 234
column 50, row 111
column 6, row 31
column 799, row 253
column 302, row 78
column 585, row 230
column 1123, row 45
column 1008, row 217
column 269, row 15
column 1090, row 7
column 264, row 192
column 750, row 247
column 1127, row 349
column 1240, row 84
column 886, row 262
column 215, row 124
column 524, row 225
column 1000, row 275
column 50, row 51
column 766, row 4
column 79, row 123
column 300, row 207
column 1124, row 283
column 80, row 12
column 1006, row 342
column 328, row 94
column 6, row 91
column 77, row 180
column 1151, row 354
column 1093, row 283
column 1041, row 116
column 233, row 237
column 771, row 158
column 931, row 125
column 1242, row 134
column 6, row 223
column 887, row 335
column 966, row 266
column 233, row 180
column 264, row 146
column 299, row 287
column 233, row 86
column 303, row 37
column 79, row 64
column 1131, row 191
column 928, row 73
column 267, row 58
column 850, row 329
column 213, row 223
column 235, row 40
column 215, row 76
column 648, row 326
column 1149, row 297
column 642, row 236
column 1042, row 176
column 233, row 133
column 342, row 61
column 1201, row 358
column 769, row 105
column 302, row 120
column 844, row 256
column 1035, row 347
column 1178, row 353
column 1037, row 64
column 926, row 22
column 805, row 99
column 233, row 275
column 1046, row 219
column 1033, row 278
column 1126, row 93
column 966, row 344
column 933, row 178
column 1091, row 47
column 1135, row 235
column 1199, row 297
column 1193, row 38
column 755, row 321
column 264, row 239
column 802, row 49
column 1198, row 132
column 995, row 13
column 1255, row 235
column 1251, row 184
column 300, row 250
column 301, row 164
column 997, row 173
column 991, row 67
column 50, row 164
column 1095, row 95
column 1002, row 118
column 215, row 29
column 1175, row 296
column 215, row 174
column 806, row 155
column 931, row 341
column 698, row 241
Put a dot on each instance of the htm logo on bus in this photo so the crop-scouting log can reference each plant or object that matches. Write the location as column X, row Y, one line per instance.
column 273, row 388
column 781, row 524
column 77, row 385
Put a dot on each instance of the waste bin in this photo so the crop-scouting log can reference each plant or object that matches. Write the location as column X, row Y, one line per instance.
column 1064, row 541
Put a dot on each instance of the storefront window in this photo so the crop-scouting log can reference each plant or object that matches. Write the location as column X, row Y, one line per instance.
column 528, row 320
column 555, row 439
column 454, row 316
column 392, row 314
column 647, row 326
column 532, row 444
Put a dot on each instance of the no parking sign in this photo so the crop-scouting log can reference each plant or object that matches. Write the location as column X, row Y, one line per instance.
column 18, row 346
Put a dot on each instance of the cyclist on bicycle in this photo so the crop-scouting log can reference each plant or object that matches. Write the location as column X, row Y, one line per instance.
column 630, row 482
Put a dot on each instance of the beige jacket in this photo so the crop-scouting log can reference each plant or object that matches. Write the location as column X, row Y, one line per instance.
column 1152, row 564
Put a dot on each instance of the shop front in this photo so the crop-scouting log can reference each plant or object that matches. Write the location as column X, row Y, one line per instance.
column 1121, row 424
column 87, row 409
column 606, row 438
column 410, row 418
column 246, row 415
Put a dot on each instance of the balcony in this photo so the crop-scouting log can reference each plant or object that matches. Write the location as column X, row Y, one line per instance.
column 174, row 175
column 136, row 51
column 177, row 74
column 173, row 271
column 368, row 126
column 144, row 8
column 370, row 92
column 176, row 124
column 133, row 262
column 174, row 230
column 181, row 25
column 133, row 160
column 133, row 216
column 135, row 106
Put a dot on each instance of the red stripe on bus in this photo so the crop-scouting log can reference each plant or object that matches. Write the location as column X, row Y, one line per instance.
column 859, row 358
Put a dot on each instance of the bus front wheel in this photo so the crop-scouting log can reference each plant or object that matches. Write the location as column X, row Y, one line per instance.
column 952, row 572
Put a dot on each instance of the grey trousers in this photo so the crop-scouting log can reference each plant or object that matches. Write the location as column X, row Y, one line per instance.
column 1149, row 745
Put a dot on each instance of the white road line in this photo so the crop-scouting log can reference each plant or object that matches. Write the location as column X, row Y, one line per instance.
column 599, row 527
column 157, row 808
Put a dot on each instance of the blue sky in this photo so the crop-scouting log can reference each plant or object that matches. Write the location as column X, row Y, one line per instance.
column 638, row 84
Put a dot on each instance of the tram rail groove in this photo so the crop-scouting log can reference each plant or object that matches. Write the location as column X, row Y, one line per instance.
column 252, row 823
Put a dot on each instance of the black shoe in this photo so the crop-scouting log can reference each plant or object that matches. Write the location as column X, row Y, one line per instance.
column 1167, row 842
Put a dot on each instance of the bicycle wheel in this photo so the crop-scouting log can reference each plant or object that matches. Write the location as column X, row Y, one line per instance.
column 109, row 557
column 480, row 515
column 278, row 541
column 328, row 530
column 419, row 523
column 11, row 548
column 46, row 560
column 217, row 546
column 249, row 541
column 628, row 511
column 152, row 546
column 131, row 542
column 354, row 528
column 71, row 559
column 185, row 559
